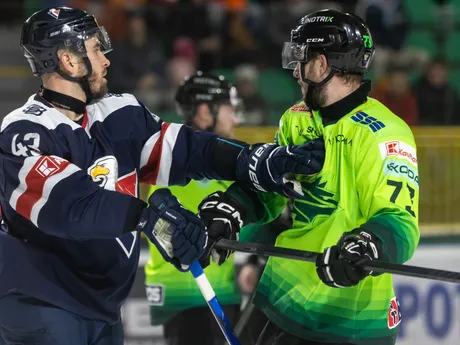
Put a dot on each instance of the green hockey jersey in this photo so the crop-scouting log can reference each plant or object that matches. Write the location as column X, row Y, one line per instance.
column 170, row 291
column 369, row 180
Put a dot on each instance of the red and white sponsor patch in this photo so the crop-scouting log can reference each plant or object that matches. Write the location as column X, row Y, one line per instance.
column 398, row 149
column 47, row 166
column 394, row 313
column 300, row 107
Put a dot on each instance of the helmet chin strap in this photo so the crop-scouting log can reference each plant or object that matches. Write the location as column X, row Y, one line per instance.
column 309, row 99
column 82, row 81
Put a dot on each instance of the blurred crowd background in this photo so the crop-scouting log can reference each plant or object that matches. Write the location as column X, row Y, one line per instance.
column 415, row 72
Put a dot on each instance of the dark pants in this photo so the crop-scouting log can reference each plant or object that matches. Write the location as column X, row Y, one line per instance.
column 27, row 321
column 272, row 335
column 197, row 326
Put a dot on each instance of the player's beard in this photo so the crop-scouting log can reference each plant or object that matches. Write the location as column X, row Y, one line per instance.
column 318, row 97
column 98, row 86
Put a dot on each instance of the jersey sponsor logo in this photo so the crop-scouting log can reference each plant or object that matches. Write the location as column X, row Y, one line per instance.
column 104, row 172
column 315, row 202
column 394, row 313
column 398, row 149
column 155, row 294
column 309, row 133
column 34, row 109
column 301, row 108
column 340, row 139
column 47, row 167
column 401, row 170
column 364, row 119
column 54, row 13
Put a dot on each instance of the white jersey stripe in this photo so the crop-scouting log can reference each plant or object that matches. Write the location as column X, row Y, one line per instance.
column 27, row 166
column 147, row 149
column 166, row 156
column 50, row 183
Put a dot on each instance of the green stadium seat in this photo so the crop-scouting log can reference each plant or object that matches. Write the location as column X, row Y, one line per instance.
column 278, row 86
column 453, row 46
column 421, row 11
column 423, row 40
column 454, row 78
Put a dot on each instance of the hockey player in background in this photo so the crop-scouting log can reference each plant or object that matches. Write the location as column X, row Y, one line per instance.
column 71, row 160
column 363, row 205
column 205, row 102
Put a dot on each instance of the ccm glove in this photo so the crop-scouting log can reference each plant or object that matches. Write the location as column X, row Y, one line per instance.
column 271, row 168
column 223, row 217
column 337, row 266
column 179, row 235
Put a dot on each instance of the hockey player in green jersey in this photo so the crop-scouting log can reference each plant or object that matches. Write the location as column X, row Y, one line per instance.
column 206, row 102
column 363, row 204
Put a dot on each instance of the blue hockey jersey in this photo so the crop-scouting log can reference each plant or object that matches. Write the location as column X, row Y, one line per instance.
column 68, row 194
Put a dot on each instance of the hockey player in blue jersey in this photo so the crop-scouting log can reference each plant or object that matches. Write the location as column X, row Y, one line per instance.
column 71, row 159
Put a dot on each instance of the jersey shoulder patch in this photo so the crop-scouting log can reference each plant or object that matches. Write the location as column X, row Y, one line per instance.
column 364, row 119
column 34, row 111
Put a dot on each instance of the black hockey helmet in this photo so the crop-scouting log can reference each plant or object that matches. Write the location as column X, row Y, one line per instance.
column 342, row 37
column 204, row 88
column 50, row 29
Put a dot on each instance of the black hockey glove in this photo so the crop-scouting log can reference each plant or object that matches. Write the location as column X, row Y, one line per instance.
column 336, row 266
column 179, row 235
column 266, row 167
column 223, row 217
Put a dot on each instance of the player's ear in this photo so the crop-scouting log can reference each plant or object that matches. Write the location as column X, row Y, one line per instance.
column 323, row 65
column 68, row 62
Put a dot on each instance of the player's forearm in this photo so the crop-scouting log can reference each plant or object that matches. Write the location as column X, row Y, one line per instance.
column 254, row 208
column 397, row 232
column 103, row 214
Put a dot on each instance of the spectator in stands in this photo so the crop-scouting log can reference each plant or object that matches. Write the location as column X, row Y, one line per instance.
column 193, row 19
column 240, row 40
column 388, row 22
column 137, row 63
column 395, row 93
column 254, row 107
column 183, row 63
column 437, row 100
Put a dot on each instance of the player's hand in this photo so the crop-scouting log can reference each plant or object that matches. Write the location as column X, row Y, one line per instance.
column 336, row 267
column 271, row 168
column 179, row 235
column 223, row 217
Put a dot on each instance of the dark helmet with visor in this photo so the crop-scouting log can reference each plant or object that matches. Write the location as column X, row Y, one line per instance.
column 51, row 29
column 205, row 88
column 343, row 38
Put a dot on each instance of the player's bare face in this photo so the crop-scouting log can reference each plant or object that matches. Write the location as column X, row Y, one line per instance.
column 226, row 122
column 99, row 63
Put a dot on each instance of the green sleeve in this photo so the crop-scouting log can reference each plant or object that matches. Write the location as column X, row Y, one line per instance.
column 388, row 191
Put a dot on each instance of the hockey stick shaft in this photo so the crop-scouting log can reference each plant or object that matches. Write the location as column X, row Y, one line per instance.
column 376, row 266
column 216, row 309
